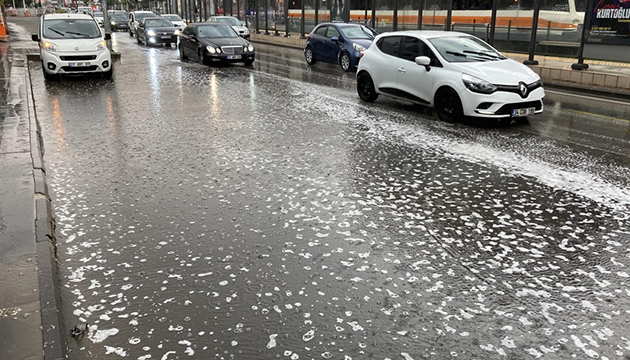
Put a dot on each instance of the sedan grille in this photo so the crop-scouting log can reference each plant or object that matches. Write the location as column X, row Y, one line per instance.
column 231, row 50
column 78, row 57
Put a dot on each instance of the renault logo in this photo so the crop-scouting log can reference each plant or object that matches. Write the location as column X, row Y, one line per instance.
column 523, row 89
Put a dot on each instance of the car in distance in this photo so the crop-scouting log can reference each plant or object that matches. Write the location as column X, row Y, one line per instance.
column 134, row 19
column 156, row 30
column 235, row 23
column 455, row 73
column 214, row 43
column 177, row 21
column 338, row 43
column 98, row 16
column 72, row 44
column 118, row 22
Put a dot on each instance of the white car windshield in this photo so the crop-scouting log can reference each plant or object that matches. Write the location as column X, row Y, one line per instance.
column 140, row 16
column 71, row 29
column 465, row 49
column 358, row 32
column 214, row 31
column 229, row 20
column 173, row 17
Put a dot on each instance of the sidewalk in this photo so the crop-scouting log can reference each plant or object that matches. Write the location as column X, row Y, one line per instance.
column 29, row 321
column 608, row 77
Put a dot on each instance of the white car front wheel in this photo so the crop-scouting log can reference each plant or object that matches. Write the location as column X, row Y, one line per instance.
column 448, row 106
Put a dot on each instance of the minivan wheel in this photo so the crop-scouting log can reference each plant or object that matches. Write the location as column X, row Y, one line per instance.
column 308, row 54
column 47, row 76
column 345, row 62
column 365, row 88
column 448, row 106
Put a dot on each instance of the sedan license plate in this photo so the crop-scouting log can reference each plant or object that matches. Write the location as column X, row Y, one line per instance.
column 523, row 112
column 78, row 64
column 166, row 37
column 233, row 57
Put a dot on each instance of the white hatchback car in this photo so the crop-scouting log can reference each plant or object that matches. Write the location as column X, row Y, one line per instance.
column 455, row 73
column 72, row 44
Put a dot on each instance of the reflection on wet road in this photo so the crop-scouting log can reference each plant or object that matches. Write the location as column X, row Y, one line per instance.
column 265, row 212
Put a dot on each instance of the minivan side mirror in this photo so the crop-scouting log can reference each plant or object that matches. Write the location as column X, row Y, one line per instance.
column 424, row 61
column 34, row 37
column 108, row 36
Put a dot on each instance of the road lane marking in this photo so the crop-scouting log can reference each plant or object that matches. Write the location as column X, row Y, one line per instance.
column 597, row 115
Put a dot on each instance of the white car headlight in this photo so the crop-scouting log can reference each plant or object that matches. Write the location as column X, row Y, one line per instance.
column 113, row 23
column 176, row 32
column 151, row 33
column 250, row 47
column 211, row 50
column 101, row 45
column 358, row 48
column 50, row 46
column 478, row 85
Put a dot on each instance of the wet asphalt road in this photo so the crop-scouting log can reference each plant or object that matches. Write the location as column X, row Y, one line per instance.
column 265, row 212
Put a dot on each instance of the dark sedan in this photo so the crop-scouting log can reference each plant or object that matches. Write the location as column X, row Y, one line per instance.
column 214, row 43
column 156, row 30
column 338, row 43
column 118, row 22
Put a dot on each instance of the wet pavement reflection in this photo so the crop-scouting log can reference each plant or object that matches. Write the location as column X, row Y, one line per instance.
column 265, row 212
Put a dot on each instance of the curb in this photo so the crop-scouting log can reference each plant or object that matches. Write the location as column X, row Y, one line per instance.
column 49, row 292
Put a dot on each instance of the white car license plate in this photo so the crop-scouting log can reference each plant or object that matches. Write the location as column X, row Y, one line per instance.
column 523, row 112
column 232, row 57
column 78, row 64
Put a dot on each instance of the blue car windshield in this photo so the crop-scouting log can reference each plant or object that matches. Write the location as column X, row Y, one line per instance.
column 358, row 32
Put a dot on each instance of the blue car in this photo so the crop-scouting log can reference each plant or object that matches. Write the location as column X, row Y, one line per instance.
column 338, row 43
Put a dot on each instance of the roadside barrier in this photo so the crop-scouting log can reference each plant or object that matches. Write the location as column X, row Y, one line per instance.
column 3, row 28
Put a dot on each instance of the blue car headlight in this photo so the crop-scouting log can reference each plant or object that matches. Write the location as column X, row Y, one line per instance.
column 358, row 48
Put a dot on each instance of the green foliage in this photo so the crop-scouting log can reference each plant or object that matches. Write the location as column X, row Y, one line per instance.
column 61, row 11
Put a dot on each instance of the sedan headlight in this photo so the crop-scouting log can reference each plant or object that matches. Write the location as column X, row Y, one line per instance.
column 101, row 45
column 151, row 33
column 113, row 23
column 176, row 32
column 358, row 48
column 250, row 47
column 478, row 85
column 50, row 46
column 211, row 50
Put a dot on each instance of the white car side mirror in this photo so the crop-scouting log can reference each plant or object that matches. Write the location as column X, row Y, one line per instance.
column 423, row 60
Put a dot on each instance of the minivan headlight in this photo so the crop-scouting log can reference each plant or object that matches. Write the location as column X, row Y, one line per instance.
column 101, row 45
column 50, row 46
column 478, row 85
column 358, row 48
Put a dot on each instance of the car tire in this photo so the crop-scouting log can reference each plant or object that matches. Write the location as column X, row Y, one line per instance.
column 130, row 33
column 249, row 62
column 201, row 57
column 345, row 62
column 448, row 106
column 182, row 56
column 108, row 74
column 310, row 58
column 47, row 76
column 138, row 39
column 365, row 88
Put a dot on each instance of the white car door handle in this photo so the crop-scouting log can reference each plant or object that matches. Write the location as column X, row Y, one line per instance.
column 402, row 70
